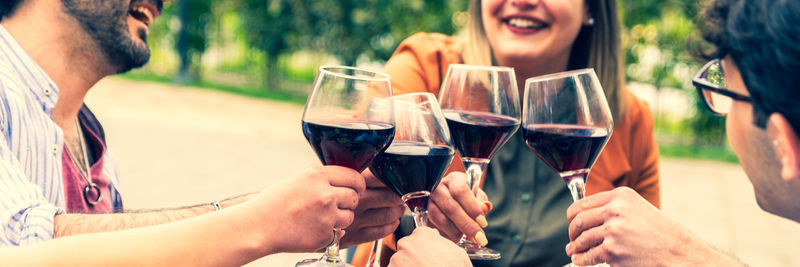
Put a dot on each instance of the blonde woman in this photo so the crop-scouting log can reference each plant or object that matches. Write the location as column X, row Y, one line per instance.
column 527, row 223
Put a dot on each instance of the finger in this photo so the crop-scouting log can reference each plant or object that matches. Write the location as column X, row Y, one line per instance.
column 586, row 241
column 589, row 219
column 443, row 224
column 346, row 198
column 379, row 217
column 371, row 233
column 404, row 243
column 589, row 202
column 424, row 231
column 371, row 180
column 465, row 197
column 345, row 177
column 487, row 207
column 344, row 218
column 374, row 198
column 455, row 212
column 481, row 195
column 596, row 255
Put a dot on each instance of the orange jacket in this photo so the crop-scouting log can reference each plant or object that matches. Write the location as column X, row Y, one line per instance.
column 629, row 159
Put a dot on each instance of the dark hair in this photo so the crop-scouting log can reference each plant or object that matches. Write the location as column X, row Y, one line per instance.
column 763, row 38
column 7, row 7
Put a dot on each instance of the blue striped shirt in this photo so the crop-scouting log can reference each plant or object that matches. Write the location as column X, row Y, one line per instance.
column 31, row 184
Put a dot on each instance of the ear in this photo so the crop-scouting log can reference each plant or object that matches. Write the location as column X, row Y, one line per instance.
column 787, row 145
column 588, row 19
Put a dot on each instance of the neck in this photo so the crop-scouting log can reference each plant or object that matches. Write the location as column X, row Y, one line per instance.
column 57, row 43
column 527, row 68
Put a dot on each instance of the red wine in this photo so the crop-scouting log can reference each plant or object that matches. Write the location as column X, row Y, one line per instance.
column 479, row 134
column 566, row 147
column 418, row 203
column 409, row 167
column 348, row 144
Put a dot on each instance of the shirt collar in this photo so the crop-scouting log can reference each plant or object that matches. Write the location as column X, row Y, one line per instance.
column 18, row 61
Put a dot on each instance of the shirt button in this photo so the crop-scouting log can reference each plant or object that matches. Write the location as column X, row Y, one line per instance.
column 54, row 148
column 516, row 239
column 46, row 91
column 525, row 197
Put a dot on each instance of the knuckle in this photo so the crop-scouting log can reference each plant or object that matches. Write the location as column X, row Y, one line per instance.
column 449, row 207
column 611, row 210
column 626, row 191
column 601, row 253
column 403, row 244
column 349, row 217
column 459, row 189
column 611, row 248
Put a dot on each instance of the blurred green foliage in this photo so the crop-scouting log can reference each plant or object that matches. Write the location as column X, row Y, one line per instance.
column 271, row 48
column 657, row 42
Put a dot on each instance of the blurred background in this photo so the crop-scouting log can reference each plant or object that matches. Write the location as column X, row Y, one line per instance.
column 271, row 49
column 216, row 112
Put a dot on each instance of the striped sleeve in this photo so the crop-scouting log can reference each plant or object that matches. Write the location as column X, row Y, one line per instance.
column 26, row 216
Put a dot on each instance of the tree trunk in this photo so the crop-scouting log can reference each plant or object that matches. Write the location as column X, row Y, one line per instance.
column 272, row 79
column 184, row 74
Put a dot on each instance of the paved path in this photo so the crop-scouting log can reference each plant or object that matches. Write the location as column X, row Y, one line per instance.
column 179, row 146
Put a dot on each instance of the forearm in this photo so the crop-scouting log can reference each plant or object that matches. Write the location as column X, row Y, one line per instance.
column 227, row 238
column 692, row 251
column 77, row 223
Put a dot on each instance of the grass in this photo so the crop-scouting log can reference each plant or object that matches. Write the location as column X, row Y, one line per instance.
column 712, row 153
column 252, row 91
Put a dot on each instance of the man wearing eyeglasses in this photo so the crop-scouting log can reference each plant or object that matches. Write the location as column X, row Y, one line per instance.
column 753, row 83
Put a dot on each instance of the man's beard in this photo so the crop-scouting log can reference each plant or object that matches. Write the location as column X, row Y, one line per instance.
column 106, row 23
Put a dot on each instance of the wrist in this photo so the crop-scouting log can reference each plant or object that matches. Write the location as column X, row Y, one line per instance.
column 696, row 252
column 260, row 231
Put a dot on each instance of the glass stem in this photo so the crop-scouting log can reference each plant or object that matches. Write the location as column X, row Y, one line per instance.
column 577, row 186
column 475, row 169
column 332, row 251
column 420, row 217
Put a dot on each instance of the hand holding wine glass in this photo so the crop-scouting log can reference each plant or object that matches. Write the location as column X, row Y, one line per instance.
column 567, row 122
column 322, row 199
column 347, row 121
column 425, row 247
column 377, row 214
column 419, row 155
column 453, row 203
column 481, row 104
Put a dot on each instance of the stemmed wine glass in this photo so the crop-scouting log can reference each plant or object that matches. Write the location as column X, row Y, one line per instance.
column 567, row 122
column 481, row 105
column 348, row 122
column 421, row 152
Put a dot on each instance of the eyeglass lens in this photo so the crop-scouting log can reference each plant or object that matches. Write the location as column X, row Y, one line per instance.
column 719, row 103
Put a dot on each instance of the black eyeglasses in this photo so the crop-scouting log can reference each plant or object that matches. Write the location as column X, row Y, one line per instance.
column 711, row 85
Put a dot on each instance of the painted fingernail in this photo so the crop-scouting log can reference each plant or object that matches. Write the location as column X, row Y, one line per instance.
column 567, row 248
column 482, row 221
column 480, row 237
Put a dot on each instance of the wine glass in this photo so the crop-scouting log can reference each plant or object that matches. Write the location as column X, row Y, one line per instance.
column 348, row 122
column 567, row 122
column 420, row 154
column 481, row 105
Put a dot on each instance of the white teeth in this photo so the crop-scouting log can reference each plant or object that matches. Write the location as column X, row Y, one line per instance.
column 524, row 23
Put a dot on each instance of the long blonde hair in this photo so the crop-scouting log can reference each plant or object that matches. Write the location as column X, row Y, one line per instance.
column 598, row 46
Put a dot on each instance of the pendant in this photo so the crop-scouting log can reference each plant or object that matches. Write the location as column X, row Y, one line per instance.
column 89, row 188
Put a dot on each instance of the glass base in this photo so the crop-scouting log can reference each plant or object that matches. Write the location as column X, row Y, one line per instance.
column 320, row 263
column 478, row 252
